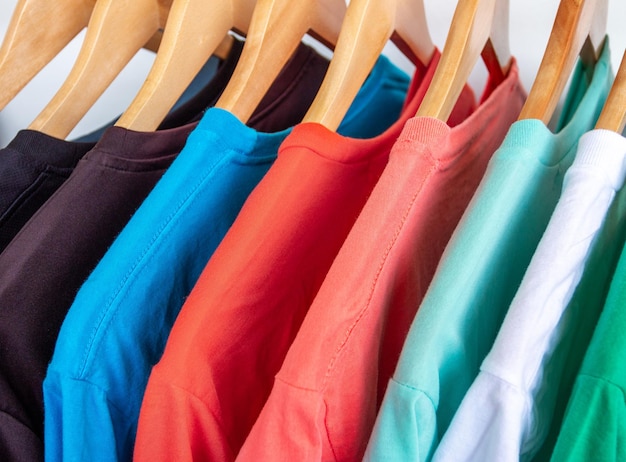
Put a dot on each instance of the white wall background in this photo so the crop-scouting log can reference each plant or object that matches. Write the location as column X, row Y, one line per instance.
column 530, row 25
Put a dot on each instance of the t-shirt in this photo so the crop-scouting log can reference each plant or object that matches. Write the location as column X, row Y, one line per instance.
column 46, row 263
column 34, row 164
column 504, row 415
column 235, row 328
column 32, row 167
column 41, row 269
column 479, row 272
column 328, row 390
column 582, row 313
column 117, row 326
column 593, row 427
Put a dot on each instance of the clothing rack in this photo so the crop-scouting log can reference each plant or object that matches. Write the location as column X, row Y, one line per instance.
column 342, row 262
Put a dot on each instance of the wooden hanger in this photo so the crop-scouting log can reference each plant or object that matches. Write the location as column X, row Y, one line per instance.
column 276, row 29
column 367, row 27
column 613, row 115
column 193, row 32
column 579, row 30
column 37, row 32
column 479, row 27
column 117, row 29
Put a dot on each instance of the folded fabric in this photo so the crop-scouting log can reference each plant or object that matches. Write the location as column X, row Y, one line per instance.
column 593, row 426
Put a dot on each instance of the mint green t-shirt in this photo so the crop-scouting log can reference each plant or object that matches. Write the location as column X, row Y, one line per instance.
column 594, row 425
column 480, row 272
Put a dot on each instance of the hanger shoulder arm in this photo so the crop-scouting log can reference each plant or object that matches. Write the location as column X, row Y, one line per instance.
column 367, row 27
column 470, row 30
column 276, row 29
column 113, row 37
column 613, row 115
column 575, row 20
column 194, row 30
column 37, row 32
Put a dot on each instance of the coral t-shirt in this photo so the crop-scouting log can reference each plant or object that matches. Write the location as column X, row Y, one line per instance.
column 326, row 395
column 234, row 331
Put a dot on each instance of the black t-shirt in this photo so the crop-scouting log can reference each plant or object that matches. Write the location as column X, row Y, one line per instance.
column 34, row 165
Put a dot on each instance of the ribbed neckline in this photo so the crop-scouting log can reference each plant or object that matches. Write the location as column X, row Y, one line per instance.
column 582, row 113
column 48, row 150
column 234, row 135
column 430, row 130
column 344, row 149
column 605, row 150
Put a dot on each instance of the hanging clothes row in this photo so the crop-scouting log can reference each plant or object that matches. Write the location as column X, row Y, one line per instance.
column 314, row 259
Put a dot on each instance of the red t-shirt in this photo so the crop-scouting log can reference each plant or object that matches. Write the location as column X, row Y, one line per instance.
column 236, row 327
column 330, row 386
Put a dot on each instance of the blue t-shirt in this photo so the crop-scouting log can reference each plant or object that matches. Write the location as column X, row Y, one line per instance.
column 118, row 325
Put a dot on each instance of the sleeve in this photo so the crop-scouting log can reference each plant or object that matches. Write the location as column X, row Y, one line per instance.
column 406, row 426
column 291, row 427
column 176, row 425
column 80, row 423
column 594, row 427
column 483, row 428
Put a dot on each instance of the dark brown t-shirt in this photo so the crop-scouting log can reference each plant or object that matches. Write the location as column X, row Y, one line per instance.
column 34, row 165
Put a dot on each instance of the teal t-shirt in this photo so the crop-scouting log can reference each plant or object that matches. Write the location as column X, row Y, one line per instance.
column 480, row 272
column 118, row 325
column 594, row 426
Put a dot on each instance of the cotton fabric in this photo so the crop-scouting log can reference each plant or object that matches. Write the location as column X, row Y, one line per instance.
column 593, row 427
column 582, row 313
column 479, row 272
column 34, row 165
column 117, row 326
column 243, row 313
column 503, row 407
column 328, row 390
column 47, row 262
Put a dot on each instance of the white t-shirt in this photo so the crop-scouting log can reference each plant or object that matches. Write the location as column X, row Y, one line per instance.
column 499, row 419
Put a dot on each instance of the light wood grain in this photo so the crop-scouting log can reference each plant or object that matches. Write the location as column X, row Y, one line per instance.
column 613, row 115
column 579, row 28
column 479, row 27
column 194, row 31
column 366, row 29
column 37, row 32
column 117, row 29
column 276, row 29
